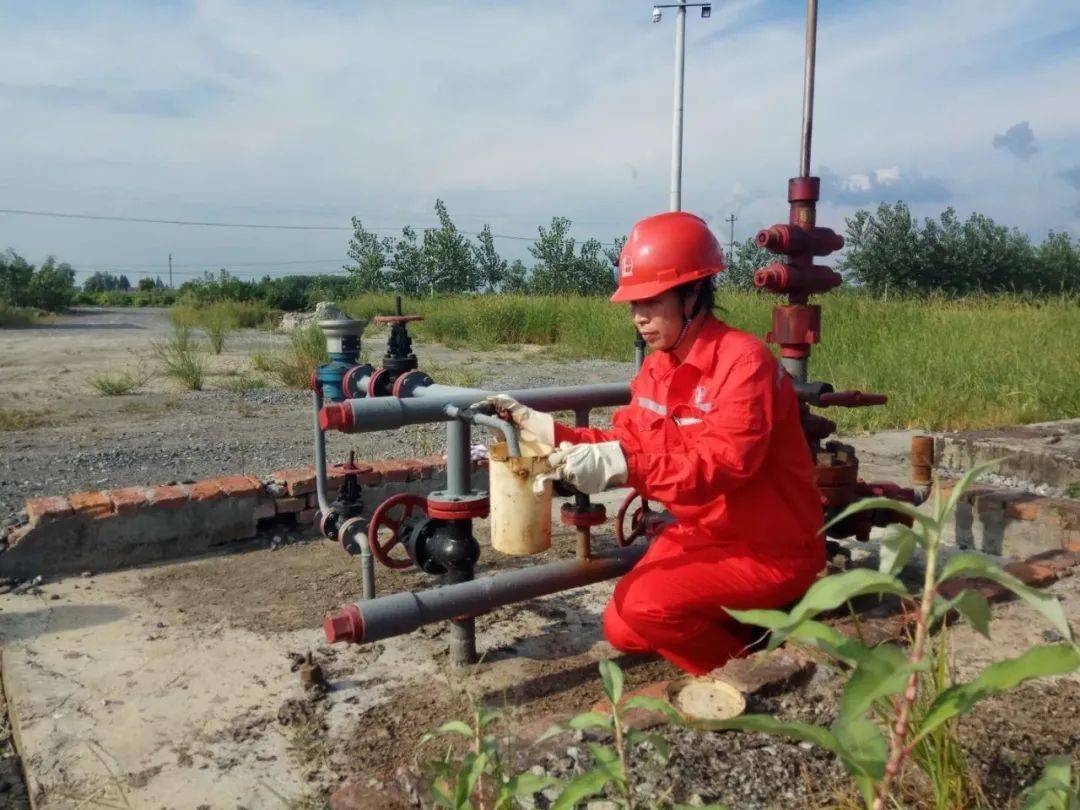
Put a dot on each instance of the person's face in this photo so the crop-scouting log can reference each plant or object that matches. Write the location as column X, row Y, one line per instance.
column 659, row 320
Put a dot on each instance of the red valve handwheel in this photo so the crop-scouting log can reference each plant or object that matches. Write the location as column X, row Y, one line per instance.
column 382, row 518
column 638, row 523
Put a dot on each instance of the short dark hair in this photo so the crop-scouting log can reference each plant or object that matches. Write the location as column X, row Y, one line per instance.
column 704, row 293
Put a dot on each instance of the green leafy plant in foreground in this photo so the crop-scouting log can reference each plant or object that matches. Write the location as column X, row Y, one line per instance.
column 880, row 724
column 1057, row 789
column 479, row 773
column 479, row 778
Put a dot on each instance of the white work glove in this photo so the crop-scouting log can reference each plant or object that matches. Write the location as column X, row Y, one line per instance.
column 589, row 468
column 533, row 426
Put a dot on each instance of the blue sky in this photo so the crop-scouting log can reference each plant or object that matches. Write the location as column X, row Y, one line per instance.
column 308, row 113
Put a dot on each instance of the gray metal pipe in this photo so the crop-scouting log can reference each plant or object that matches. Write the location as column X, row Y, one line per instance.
column 400, row 613
column 513, row 447
column 320, row 457
column 428, row 403
column 808, row 88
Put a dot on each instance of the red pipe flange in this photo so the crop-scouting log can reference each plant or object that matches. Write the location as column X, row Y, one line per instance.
column 373, row 381
column 409, row 382
column 570, row 515
column 382, row 518
column 446, row 508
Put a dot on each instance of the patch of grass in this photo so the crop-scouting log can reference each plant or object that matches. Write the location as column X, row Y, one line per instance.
column 946, row 364
column 1073, row 490
column 219, row 319
column 16, row 316
column 181, row 359
column 12, row 419
column 242, row 383
column 452, row 374
column 294, row 366
column 118, row 385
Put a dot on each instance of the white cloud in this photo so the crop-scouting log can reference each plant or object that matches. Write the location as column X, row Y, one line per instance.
column 285, row 111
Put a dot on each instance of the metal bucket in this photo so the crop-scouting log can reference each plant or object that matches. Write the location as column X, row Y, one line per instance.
column 520, row 518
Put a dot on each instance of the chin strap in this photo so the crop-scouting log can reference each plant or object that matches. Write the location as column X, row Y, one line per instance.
column 686, row 321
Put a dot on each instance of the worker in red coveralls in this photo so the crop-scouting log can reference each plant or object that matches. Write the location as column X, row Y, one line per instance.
column 712, row 432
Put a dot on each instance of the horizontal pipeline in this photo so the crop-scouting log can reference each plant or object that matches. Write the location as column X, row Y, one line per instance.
column 428, row 404
column 400, row 613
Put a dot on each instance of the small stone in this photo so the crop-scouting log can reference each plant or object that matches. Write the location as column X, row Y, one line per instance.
column 54, row 596
column 86, row 574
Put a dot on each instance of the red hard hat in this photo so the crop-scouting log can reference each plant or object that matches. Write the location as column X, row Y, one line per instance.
column 664, row 251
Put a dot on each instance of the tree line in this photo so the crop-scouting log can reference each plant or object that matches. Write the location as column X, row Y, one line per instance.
column 444, row 260
column 888, row 251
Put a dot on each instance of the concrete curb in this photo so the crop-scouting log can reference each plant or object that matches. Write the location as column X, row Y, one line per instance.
column 119, row 528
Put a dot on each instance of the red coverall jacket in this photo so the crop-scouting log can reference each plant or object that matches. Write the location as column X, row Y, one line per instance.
column 717, row 440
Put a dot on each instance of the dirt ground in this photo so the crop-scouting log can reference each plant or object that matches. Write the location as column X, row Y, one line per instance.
column 197, row 660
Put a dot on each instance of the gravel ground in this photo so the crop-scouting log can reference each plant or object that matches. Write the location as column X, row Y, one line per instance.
column 86, row 441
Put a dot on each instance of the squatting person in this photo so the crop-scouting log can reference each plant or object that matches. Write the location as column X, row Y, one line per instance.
column 712, row 433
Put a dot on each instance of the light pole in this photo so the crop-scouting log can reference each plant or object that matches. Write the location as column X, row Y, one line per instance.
column 731, row 242
column 676, row 126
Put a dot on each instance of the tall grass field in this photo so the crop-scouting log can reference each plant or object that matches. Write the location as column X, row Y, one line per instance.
column 945, row 364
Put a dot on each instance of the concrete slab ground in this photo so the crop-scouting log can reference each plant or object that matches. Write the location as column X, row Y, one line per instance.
column 167, row 686
column 1042, row 457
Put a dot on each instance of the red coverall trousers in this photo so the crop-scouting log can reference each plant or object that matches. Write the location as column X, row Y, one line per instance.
column 717, row 441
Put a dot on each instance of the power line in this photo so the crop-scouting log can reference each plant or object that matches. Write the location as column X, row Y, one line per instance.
column 256, row 225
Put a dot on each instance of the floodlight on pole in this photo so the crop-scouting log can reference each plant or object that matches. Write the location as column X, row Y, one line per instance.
column 677, row 122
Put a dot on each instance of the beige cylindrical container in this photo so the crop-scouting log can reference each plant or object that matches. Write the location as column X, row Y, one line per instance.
column 520, row 519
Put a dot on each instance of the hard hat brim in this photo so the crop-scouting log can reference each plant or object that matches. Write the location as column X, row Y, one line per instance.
column 650, row 289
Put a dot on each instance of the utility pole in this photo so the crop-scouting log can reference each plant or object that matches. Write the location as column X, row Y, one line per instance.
column 170, row 271
column 675, row 203
column 731, row 242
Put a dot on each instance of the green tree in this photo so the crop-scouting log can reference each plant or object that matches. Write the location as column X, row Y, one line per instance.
column 517, row 278
column 15, row 276
column 491, row 268
column 747, row 258
column 883, row 249
column 104, row 282
column 1057, row 263
column 562, row 271
column 146, row 284
column 449, row 259
column 408, row 273
column 52, row 286
column 370, row 255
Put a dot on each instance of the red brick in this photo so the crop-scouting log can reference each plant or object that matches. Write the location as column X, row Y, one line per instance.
column 204, row 491
column 50, row 508
column 308, row 516
column 169, row 497
column 1072, row 542
column 288, row 505
column 238, row 486
column 1061, row 562
column 370, row 478
column 91, row 504
column 265, row 508
column 129, row 499
column 1033, row 574
column 299, row 481
column 334, row 481
column 256, row 482
column 393, row 471
column 991, row 590
column 1022, row 510
column 640, row 718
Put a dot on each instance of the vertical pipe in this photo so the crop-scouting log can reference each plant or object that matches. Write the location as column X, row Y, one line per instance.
column 808, row 88
column 459, row 482
column 458, row 457
column 677, row 123
column 581, row 501
column 796, row 367
column 320, row 456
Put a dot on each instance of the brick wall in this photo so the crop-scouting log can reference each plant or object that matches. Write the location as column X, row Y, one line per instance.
column 119, row 528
